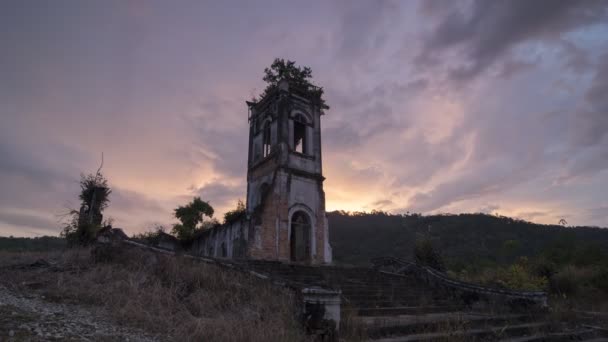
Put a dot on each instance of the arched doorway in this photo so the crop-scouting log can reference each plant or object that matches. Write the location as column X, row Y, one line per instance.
column 299, row 241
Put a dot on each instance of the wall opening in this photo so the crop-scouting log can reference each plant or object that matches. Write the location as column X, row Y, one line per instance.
column 224, row 252
column 266, row 140
column 299, row 134
column 299, row 241
column 238, row 248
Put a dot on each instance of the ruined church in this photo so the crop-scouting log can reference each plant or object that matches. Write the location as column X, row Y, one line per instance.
column 285, row 211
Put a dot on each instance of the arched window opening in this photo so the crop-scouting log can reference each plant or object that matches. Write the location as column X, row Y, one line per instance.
column 238, row 248
column 264, row 188
column 267, row 141
column 300, row 237
column 224, row 251
column 299, row 134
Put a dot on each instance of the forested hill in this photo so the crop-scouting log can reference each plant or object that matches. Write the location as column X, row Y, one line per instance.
column 39, row 244
column 461, row 239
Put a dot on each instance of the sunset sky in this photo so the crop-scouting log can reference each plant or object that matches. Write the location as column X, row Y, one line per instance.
column 436, row 106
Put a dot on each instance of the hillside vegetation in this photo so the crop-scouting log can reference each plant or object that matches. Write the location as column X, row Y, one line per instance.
column 462, row 239
column 37, row 244
column 571, row 263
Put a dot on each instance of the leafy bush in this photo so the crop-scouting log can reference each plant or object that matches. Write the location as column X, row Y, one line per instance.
column 42, row 243
column 233, row 215
column 78, row 233
column 425, row 254
column 600, row 280
column 542, row 267
column 150, row 237
column 518, row 277
column 281, row 69
column 191, row 215
column 82, row 225
column 565, row 283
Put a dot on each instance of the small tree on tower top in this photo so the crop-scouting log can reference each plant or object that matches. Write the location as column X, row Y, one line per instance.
column 281, row 69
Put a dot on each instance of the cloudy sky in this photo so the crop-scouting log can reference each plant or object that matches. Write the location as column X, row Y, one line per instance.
column 436, row 106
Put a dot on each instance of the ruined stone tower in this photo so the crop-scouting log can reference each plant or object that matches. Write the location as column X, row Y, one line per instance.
column 285, row 198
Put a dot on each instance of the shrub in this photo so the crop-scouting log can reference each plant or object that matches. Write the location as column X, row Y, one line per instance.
column 236, row 214
column 81, row 234
column 151, row 237
column 600, row 281
column 425, row 254
column 567, row 282
column 543, row 267
column 518, row 277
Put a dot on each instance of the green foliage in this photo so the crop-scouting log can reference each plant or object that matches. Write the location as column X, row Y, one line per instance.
column 510, row 249
column 94, row 186
column 600, row 280
column 82, row 226
column 36, row 244
column 566, row 282
column 182, row 232
column 235, row 214
column 543, row 268
column 78, row 233
column 151, row 237
column 208, row 224
column 481, row 248
column 567, row 250
column 425, row 254
column 465, row 240
column 190, row 216
column 299, row 76
column 519, row 276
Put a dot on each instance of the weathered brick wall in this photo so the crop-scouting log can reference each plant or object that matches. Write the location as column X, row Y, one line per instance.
column 273, row 208
column 320, row 237
column 274, row 228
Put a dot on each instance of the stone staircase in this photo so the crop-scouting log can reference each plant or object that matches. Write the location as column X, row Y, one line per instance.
column 390, row 308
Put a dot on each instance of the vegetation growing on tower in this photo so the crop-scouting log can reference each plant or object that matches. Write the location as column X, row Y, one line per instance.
column 300, row 76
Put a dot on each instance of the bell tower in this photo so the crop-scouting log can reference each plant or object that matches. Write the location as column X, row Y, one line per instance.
column 285, row 197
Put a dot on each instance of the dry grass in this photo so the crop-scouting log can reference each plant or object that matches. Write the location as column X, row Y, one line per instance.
column 351, row 329
column 178, row 298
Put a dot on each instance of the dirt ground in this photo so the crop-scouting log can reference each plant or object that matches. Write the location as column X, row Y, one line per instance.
column 29, row 317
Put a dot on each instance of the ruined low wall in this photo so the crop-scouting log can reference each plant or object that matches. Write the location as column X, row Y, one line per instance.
column 225, row 241
column 466, row 291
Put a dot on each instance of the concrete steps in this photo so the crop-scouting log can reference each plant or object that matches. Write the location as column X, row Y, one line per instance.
column 406, row 325
column 587, row 335
column 407, row 310
column 480, row 334
column 393, row 308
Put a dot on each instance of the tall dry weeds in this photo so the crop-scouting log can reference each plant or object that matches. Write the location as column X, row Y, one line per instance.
column 175, row 297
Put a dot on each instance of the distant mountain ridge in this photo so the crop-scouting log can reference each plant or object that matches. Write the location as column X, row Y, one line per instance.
column 461, row 239
column 38, row 244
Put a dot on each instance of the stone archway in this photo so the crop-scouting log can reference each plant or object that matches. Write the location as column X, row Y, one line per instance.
column 299, row 241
